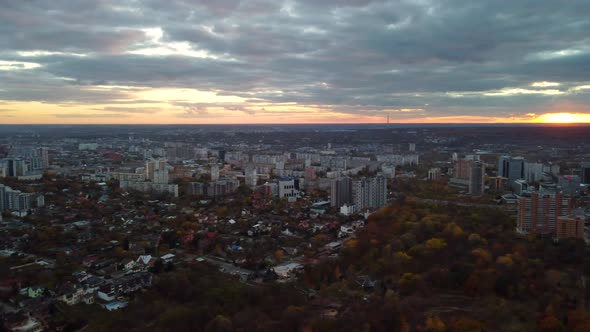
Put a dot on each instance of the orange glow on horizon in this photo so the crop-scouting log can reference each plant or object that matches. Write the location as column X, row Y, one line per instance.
column 231, row 111
column 563, row 118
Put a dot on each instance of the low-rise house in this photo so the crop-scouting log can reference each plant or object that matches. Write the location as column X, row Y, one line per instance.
column 366, row 282
column 288, row 269
column 333, row 246
column 81, row 275
column 124, row 285
column 72, row 294
column 115, row 305
column 88, row 261
column 144, row 262
column 93, row 283
column 23, row 323
column 168, row 258
column 32, row 292
column 129, row 264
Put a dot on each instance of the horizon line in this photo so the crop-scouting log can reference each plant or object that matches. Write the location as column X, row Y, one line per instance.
column 302, row 123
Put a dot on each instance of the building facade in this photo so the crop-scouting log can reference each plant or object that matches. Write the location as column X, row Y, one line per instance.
column 369, row 193
column 570, row 227
column 585, row 173
column 341, row 192
column 538, row 213
column 511, row 168
column 288, row 188
column 477, row 178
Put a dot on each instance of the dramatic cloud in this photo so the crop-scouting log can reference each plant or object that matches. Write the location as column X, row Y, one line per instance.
column 293, row 60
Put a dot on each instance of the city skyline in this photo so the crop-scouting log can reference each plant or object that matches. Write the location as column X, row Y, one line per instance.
column 259, row 62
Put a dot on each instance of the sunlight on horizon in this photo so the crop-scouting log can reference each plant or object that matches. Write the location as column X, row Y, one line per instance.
column 563, row 118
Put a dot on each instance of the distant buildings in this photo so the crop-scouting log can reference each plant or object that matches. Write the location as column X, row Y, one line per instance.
column 536, row 172
column 434, row 174
column 498, row 183
column 214, row 172
column 155, row 178
column 395, row 159
column 250, row 176
column 146, row 186
column 570, row 185
column 28, row 167
column 17, row 202
column 520, row 187
column 463, row 169
column 469, row 175
column 87, row 146
column 310, row 174
column 153, row 167
column 213, row 189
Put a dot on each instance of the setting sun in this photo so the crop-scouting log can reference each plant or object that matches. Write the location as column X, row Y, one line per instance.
column 564, row 118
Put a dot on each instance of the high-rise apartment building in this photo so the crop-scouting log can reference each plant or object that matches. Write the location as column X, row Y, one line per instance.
column 341, row 191
column 43, row 153
column 538, row 213
column 570, row 185
column 250, row 176
column 310, row 174
column 152, row 165
column 369, row 193
column 3, row 190
column 535, row 172
column 16, row 167
column 161, row 176
column 585, row 173
column 570, row 227
column 214, row 172
column 476, row 178
column 463, row 169
column 217, row 188
column 511, row 168
column 19, row 202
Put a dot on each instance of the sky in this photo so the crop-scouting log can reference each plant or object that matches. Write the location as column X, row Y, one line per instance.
column 294, row 61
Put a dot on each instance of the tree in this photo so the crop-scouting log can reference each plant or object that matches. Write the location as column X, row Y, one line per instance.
column 505, row 260
column 219, row 324
column 279, row 255
column 409, row 282
column 483, row 256
column 550, row 323
column 454, row 230
column 158, row 266
column 402, row 256
column 436, row 244
column 466, row 324
column 434, row 324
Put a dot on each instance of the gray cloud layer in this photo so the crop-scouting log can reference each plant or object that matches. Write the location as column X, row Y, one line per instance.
column 356, row 56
